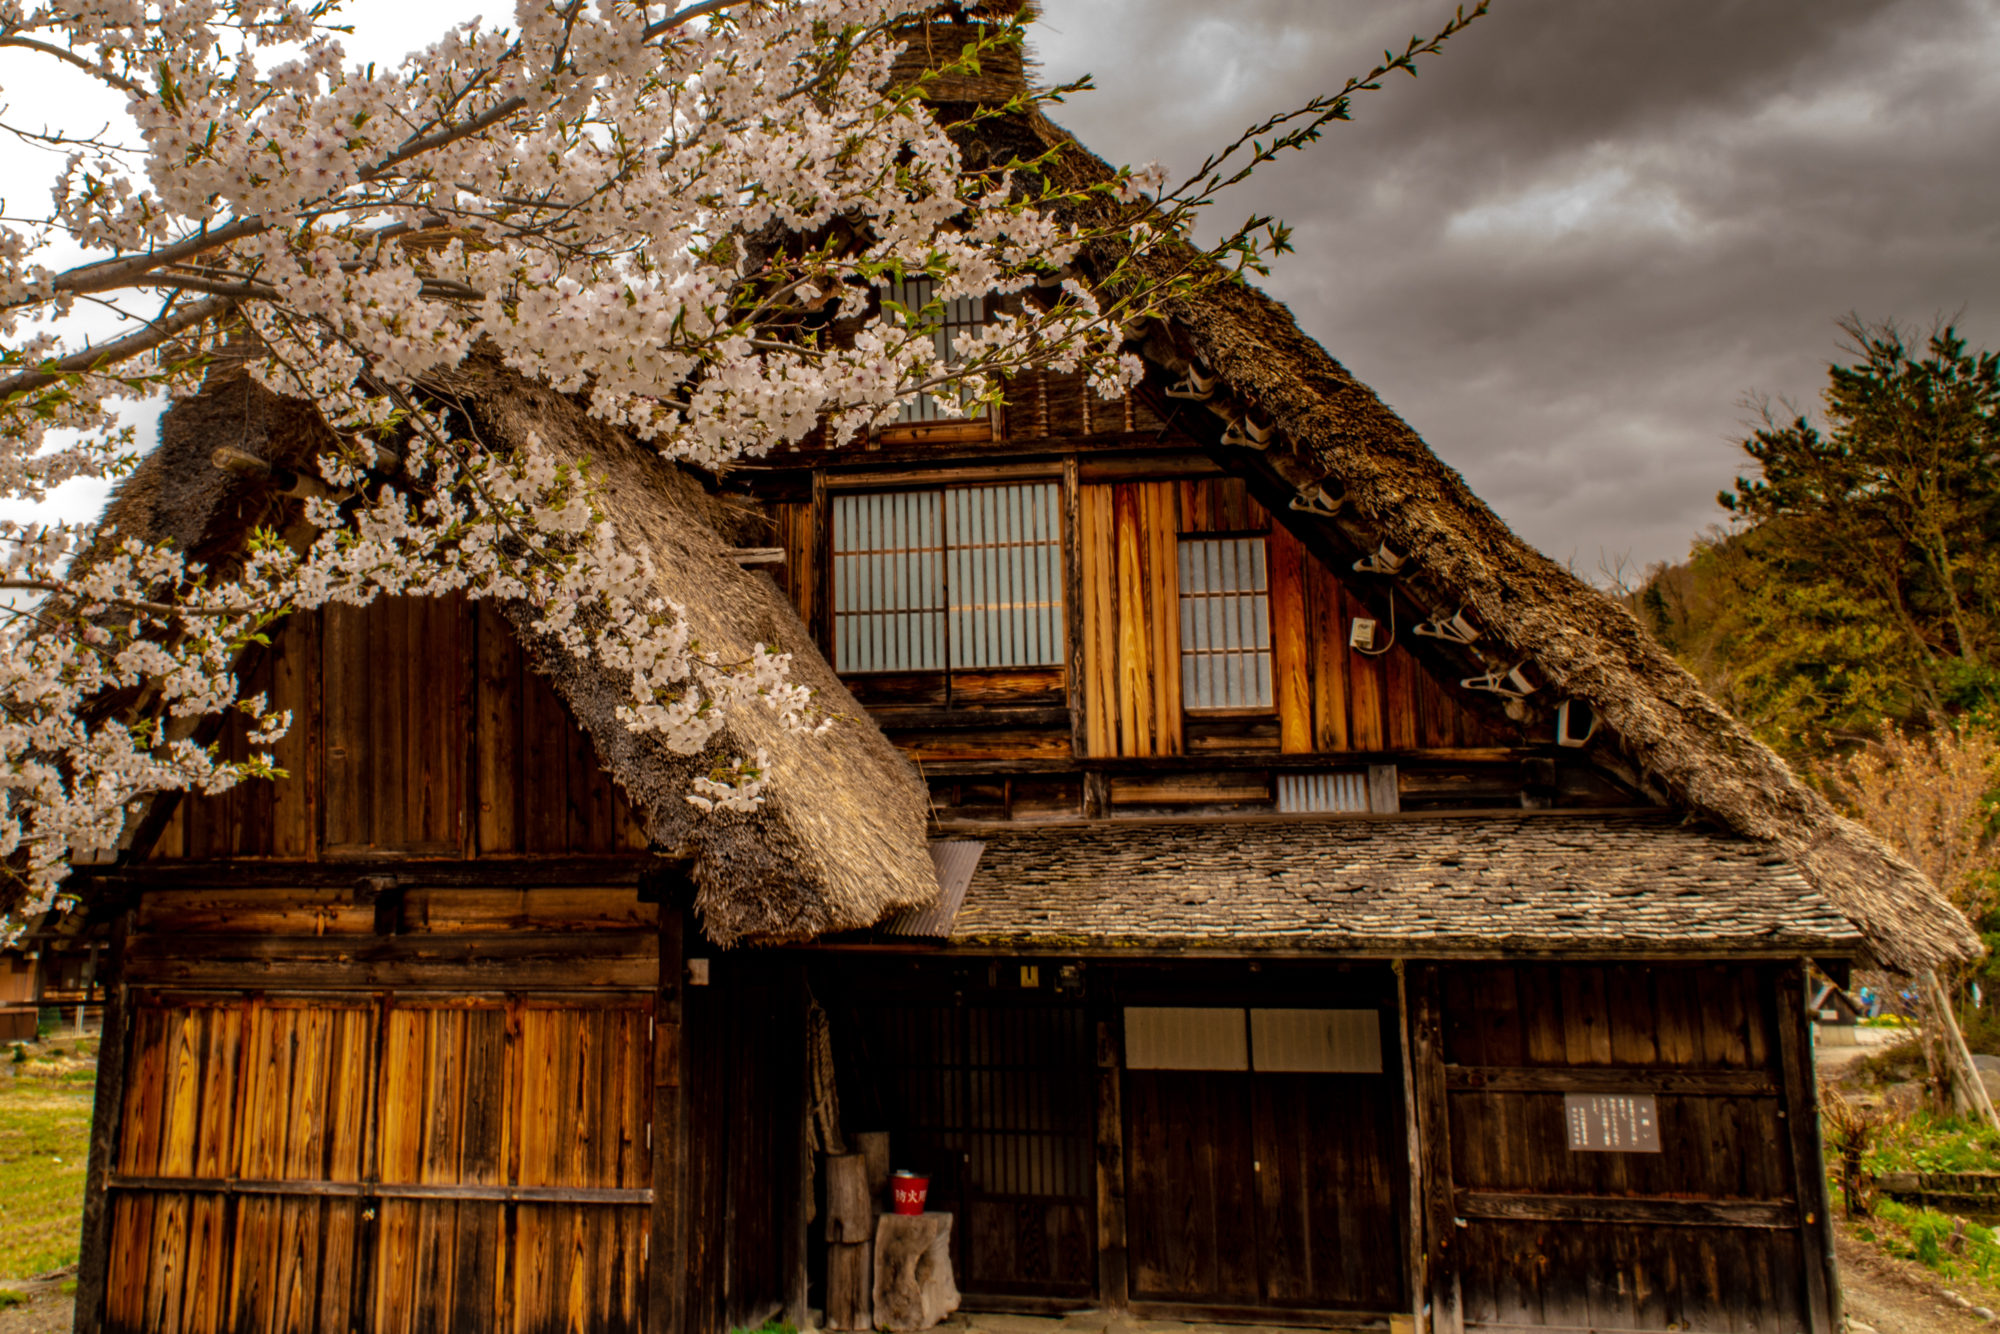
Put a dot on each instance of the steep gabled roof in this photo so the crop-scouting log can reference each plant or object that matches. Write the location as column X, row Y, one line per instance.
column 840, row 839
column 1335, row 439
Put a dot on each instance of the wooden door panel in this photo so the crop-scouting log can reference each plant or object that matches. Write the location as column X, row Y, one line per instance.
column 995, row 1102
column 1326, row 1190
column 343, row 1164
column 1188, row 1203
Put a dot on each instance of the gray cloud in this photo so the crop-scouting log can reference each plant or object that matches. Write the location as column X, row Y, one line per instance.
column 1569, row 249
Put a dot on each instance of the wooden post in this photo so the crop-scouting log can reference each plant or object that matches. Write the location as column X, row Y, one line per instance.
column 666, row 1271
column 850, row 1208
column 1801, row 1114
column 1434, row 1161
column 1405, row 1022
column 873, row 1146
column 821, row 626
column 1113, row 1271
column 1969, row 1090
column 94, row 1260
column 850, row 1285
column 1073, row 595
column 796, row 1218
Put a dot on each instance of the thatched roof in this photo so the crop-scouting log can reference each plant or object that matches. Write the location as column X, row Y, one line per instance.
column 1335, row 433
column 840, row 840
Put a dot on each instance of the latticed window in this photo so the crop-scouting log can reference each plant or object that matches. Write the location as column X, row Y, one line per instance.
column 956, row 577
column 1225, row 624
column 961, row 315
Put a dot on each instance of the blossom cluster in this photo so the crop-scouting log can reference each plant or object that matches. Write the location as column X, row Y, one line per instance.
column 684, row 219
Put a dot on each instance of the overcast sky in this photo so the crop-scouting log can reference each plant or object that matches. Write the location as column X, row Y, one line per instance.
column 1569, row 250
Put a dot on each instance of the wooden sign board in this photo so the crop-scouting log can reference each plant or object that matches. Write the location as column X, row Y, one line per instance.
column 1612, row 1122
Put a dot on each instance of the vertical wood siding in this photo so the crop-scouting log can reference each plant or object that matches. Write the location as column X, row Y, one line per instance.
column 1324, row 696
column 418, row 729
column 1705, row 1040
column 1131, row 619
column 295, row 1123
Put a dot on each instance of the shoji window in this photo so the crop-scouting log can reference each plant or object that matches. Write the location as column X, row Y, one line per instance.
column 1225, row 623
column 963, row 576
column 961, row 315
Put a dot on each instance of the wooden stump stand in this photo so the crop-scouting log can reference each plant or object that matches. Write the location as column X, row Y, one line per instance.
column 914, row 1287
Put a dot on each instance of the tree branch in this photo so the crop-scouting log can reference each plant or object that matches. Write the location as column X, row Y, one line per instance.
column 118, row 81
column 117, row 350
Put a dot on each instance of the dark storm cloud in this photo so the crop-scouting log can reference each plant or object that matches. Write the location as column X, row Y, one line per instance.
column 1569, row 249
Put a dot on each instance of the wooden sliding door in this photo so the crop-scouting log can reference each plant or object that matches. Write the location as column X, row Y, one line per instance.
column 380, row 1164
column 1266, row 1158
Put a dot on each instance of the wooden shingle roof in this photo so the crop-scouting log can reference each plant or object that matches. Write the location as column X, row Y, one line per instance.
column 1589, row 884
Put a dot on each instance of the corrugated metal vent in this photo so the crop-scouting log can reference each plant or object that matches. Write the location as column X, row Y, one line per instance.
column 955, row 860
column 1340, row 790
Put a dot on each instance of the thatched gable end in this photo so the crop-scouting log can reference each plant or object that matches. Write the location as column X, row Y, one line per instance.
column 839, row 842
column 1336, row 440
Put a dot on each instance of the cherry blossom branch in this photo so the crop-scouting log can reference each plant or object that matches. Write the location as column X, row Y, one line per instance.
column 118, row 350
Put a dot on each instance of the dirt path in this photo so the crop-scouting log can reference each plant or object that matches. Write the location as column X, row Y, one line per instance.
column 47, row 1310
column 1894, row 1296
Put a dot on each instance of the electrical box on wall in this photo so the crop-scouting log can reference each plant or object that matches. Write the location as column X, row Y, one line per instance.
column 1361, row 634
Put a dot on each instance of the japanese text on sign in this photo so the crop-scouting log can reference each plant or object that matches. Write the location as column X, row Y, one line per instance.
column 1612, row 1122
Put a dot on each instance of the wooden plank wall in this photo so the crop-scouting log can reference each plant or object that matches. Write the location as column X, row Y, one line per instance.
column 1710, row 1233
column 419, row 729
column 381, row 1163
column 1328, row 698
column 240, row 933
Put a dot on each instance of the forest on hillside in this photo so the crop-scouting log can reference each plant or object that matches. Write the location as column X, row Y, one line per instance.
column 1847, row 604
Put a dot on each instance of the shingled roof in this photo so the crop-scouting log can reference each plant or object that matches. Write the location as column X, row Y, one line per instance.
column 1622, row 884
column 840, row 839
column 1336, row 440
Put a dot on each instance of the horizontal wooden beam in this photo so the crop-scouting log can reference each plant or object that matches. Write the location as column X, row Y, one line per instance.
column 930, row 455
column 1766, row 949
column 1292, row 1316
column 384, row 1190
column 985, row 718
column 471, row 975
column 1325, row 759
column 1154, row 765
column 1602, row 1079
column 456, row 873
column 1648, row 1210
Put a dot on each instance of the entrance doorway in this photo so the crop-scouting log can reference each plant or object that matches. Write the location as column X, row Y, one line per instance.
column 1265, row 1156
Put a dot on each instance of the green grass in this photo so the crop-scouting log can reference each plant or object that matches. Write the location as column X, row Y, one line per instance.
column 1927, row 1143
column 44, row 1139
column 1933, row 1241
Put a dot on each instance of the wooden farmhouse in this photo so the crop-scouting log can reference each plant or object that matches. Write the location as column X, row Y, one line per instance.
column 1250, row 883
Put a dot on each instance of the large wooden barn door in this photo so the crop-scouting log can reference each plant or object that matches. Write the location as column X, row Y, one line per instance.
column 382, row 1164
column 1265, row 1158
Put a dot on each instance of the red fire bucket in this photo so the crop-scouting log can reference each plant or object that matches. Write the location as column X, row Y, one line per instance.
column 909, row 1190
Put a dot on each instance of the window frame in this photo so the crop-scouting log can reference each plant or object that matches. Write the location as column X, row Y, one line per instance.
column 976, row 426
column 1267, row 651
column 1056, row 634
